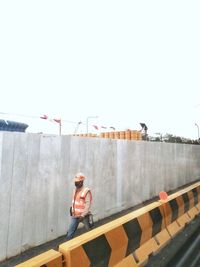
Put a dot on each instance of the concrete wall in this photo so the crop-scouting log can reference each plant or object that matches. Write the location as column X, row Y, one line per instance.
column 36, row 180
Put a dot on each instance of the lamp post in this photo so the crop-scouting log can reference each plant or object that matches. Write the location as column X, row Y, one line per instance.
column 60, row 127
column 90, row 117
column 76, row 129
column 197, row 129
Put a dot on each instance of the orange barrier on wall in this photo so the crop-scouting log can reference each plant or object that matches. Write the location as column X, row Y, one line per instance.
column 51, row 258
column 139, row 135
column 111, row 135
column 128, row 135
column 134, row 135
column 116, row 135
column 122, row 135
column 106, row 135
column 102, row 135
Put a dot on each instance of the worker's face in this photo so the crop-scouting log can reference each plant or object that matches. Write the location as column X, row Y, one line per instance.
column 78, row 184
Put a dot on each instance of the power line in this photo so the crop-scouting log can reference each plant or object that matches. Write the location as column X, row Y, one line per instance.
column 20, row 115
column 36, row 117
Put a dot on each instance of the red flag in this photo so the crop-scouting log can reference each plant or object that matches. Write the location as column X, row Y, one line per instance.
column 57, row 120
column 44, row 117
column 96, row 127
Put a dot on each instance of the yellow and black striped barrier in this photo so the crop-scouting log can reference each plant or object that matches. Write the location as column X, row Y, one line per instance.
column 50, row 258
column 107, row 245
column 129, row 240
column 180, row 208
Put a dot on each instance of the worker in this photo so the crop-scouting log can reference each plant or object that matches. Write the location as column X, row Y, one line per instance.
column 81, row 204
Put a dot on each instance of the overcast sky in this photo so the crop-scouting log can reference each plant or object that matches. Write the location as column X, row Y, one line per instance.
column 124, row 61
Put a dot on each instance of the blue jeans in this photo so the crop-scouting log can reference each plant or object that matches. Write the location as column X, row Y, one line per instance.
column 74, row 225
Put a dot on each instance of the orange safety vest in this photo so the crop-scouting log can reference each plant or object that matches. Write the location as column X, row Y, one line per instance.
column 78, row 200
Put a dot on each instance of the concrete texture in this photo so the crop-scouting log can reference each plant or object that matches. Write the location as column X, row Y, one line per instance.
column 36, row 180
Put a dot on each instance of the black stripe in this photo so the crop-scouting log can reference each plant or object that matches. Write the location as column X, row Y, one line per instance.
column 134, row 232
column 174, row 206
column 195, row 194
column 156, row 217
column 186, row 202
column 98, row 251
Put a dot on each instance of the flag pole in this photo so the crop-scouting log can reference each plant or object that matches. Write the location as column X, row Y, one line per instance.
column 60, row 126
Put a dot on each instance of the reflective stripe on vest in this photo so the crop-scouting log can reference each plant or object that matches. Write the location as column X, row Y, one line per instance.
column 78, row 201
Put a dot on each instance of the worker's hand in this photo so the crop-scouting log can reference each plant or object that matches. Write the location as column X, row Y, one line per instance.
column 81, row 218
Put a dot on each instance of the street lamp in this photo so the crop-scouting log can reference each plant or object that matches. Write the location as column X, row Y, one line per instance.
column 90, row 117
column 197, row 129
column 78, row 124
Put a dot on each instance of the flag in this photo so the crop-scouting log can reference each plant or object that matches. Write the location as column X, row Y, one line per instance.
column 44, row 117
column 57, row 120
column 96, row 127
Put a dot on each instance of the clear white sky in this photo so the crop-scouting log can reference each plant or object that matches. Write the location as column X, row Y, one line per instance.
column 124, row 61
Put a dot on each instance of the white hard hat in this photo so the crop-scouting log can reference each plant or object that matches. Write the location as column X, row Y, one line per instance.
column 79, row 177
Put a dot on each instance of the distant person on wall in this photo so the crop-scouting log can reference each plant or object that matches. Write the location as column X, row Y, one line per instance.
column 81, row 204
